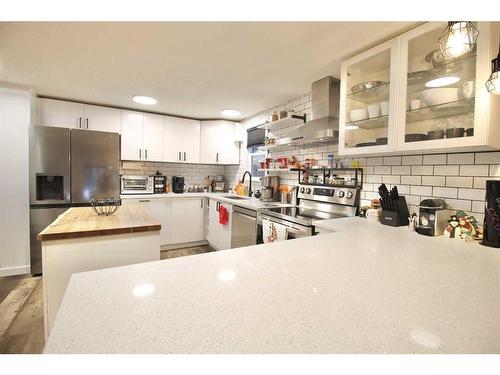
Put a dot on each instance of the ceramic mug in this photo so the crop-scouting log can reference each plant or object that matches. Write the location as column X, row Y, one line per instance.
column 384, row 108
column 374, row 110
column 373, row 214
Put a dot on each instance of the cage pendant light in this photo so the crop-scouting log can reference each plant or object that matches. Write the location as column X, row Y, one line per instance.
column 493, row 83
column 458, row 38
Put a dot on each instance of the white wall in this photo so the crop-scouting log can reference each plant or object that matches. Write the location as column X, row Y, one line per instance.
column 15, row 112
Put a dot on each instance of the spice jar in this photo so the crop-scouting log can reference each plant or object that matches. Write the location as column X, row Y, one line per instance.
column 283, row 114
column 275, row 116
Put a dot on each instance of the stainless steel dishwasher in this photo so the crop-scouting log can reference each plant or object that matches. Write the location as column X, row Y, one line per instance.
column 244, row 227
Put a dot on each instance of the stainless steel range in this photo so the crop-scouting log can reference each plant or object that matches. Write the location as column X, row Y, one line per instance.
column 313, row 203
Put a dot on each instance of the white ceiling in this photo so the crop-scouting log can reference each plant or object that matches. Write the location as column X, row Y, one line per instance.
column 193, row 69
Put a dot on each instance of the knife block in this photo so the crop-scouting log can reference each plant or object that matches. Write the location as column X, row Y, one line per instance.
column 399, row 217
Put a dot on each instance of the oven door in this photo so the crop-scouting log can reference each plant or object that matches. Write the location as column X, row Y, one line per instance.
column 294, row 230
column 136, row 185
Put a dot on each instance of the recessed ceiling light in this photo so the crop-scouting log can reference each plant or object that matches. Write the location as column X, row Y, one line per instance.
column 351, row 127
column 230, row 112
column 144, row 100
column 443, row 81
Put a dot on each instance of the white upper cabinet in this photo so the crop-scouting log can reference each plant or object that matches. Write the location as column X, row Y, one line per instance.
column 102, row 119
column 368, row 101
column 153, row 137
column 73, row 115
column 141, row 136
column 60, row 113
column 132, row 136
column 218, row 143
column 181, row 140
column 418, row 100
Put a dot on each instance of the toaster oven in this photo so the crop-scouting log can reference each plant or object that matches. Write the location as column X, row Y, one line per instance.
column 136, row 184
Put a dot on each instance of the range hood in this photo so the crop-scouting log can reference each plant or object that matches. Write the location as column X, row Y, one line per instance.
column 324, row 125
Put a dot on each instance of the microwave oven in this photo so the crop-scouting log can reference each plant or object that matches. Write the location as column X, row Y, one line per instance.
column 136, row 184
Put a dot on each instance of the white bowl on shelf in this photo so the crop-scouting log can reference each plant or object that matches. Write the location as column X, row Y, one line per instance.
column 440, row 95
column 358, row 114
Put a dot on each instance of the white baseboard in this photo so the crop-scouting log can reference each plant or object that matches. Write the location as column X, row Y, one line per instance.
column 11, row 271
column 183, row 245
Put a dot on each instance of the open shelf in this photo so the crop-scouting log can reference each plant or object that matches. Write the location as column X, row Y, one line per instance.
column 374, row 94
column 284, row 122
column 275, row 170
column 450, row 109
column 369, row 123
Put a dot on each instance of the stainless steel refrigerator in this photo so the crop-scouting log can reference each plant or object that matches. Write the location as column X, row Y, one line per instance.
column 68, row 167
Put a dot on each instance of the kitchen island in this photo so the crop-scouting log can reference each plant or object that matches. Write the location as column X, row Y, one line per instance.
column 79, row 240
column 365, row 288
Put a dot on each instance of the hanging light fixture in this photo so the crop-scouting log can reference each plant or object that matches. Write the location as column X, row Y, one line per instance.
column 457, row 38
column 493, row 83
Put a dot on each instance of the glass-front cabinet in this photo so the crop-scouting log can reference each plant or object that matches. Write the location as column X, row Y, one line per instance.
column 367, row 100
column 435, row 102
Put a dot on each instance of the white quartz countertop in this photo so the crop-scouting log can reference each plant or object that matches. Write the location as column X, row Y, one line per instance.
column 242, row 201
column 366, row 288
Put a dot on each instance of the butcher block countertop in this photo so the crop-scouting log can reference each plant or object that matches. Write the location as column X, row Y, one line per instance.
column 79, row 222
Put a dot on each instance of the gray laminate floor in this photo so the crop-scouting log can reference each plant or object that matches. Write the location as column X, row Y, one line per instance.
column 21, row 308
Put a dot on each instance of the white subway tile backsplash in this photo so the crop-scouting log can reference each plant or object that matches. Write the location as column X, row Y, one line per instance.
column 402, row 169
column 459, row 204
column 374, row 178
column 371, row 195
column 459, row 181
column 488, row 157
column 446, row 170
column 412, row 160
column 433, row 180
column 495, row 170
column 413, row 200
column 403, row 189
column 477, row 206
column 382, row 169
column 474, row 170
column 411, row 180
column 391, row 179
column 444, row 192
column 480, row 182
column 422, row 170
column 474, row 194
column 434, row 159
column 374, row 161
column 421, row 190
column 461, row 158
column 392, row 160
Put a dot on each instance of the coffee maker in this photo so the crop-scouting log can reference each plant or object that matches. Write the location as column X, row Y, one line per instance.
column 269, row 188
column 219, row 184
column 491, row 227
column 432, row 217
column 178, row 184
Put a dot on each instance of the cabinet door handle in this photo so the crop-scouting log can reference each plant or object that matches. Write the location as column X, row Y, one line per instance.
column 79, row 122
column 146, row 152
column 144, row 201
column 87, row 122
column 179, row 156
column 201, row 202
column 217, row 207
column 184, row 156
column 140, row 154
column 217, row 158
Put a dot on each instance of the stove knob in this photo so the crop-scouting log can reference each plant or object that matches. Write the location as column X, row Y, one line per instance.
column 341, row 194
column 308, row 191
column 349, row 195
column 302, row 190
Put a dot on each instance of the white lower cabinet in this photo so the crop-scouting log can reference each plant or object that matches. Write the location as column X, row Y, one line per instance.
column 159, row 208
column 187, row 220
column 219, row 236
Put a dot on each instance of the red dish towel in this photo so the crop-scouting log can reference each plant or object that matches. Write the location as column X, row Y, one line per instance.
column 223, row 215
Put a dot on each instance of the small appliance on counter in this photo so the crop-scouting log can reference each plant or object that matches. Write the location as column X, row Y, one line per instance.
column 394, row 208
column 491, row 227
column 160, row 183
column 432, row 217
column 136, row 184
column 269, row 189
column 219, row 184
column 178, row 184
